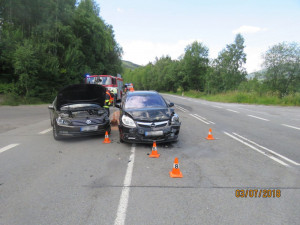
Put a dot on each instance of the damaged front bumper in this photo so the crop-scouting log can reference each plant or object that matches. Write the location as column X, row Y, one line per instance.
column 73, row 131
column 140, row 134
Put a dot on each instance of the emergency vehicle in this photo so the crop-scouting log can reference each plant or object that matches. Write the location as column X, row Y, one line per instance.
column 114, row 84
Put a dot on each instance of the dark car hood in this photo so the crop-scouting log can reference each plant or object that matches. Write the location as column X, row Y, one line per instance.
column 81, row 93
column 155, row 114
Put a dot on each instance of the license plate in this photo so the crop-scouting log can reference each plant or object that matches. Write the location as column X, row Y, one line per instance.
column 154, row 133
column 89, row 128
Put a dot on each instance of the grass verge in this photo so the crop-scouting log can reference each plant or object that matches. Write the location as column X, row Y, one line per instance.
column 245, row 97
column 14, row 100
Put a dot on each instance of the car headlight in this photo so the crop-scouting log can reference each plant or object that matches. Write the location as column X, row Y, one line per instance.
column 128, row 122
column 175, row 118
column 60, row 121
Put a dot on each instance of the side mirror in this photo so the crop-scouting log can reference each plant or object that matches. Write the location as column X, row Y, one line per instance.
column 171, row 104
column 51, row 107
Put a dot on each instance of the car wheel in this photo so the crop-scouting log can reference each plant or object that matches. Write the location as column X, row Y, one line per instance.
column 55, row 133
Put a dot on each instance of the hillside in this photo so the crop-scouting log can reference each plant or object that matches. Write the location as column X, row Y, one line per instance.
column 252, row 75
column 129, row 65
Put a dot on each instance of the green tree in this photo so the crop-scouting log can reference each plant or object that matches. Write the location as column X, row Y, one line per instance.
column 26, row 65
column 282, row 64
column 195, row 64
column 228, row 69
column 47, row 44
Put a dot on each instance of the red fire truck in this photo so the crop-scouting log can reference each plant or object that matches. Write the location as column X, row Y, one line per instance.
column 114, row 84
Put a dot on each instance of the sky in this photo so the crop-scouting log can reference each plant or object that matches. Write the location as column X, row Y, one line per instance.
column 149, row 29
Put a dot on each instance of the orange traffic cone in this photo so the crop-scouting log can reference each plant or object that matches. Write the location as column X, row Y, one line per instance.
column 175, row 173
column 106, row 139
column 210, row 137
column 154, row 153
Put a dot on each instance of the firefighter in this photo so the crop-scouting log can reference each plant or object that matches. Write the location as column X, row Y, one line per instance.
column 115, row 95
column 109, row 99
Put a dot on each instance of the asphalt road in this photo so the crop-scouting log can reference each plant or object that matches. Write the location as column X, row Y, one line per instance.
column 82, row 181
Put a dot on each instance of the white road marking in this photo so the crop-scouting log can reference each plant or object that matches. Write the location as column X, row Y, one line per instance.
column 210, row 121
column 262, row 152
column 269, row 150
column 290, row 126
column 199, row 119
column 253, row 111
column 258, row 118
column 46, row 131
column 232, row 110
column 200, row 116
column 182, row 109
column 8, row 147
column 219, row 107
column 121, row 214
column 204, row 118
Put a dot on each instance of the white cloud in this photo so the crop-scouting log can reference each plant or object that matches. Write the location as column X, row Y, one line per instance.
column 248, row 30
column 254, row 58
column 143, row 52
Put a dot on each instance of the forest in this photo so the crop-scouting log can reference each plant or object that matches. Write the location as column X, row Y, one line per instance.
column 225, row 77
column 47, row 44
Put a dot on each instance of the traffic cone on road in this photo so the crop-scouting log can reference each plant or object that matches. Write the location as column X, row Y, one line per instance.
column 154, row 153
column 106, row 139
column 210, row 137
column 175, row 173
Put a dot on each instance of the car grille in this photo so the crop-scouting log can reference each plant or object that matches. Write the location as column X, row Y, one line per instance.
column 152, row 124
column 94, row 121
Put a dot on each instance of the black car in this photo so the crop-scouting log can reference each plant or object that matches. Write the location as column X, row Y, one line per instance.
column 145, row 117
column 78, row 111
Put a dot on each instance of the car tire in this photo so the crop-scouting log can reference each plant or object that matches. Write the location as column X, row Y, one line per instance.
column 55, row 134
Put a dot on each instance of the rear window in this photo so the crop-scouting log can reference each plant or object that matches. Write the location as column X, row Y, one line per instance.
column 144, row 101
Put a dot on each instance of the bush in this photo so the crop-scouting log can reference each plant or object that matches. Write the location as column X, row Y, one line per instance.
column 6, row 88
column 13, row 99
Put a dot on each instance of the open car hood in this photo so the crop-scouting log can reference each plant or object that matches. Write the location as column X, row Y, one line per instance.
column 81, row 93
column 155, row 114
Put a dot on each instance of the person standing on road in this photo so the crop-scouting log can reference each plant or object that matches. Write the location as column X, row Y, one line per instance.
column 109, row 99
column 115, row 95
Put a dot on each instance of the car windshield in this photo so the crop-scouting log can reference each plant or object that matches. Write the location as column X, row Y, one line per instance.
column 144, row 101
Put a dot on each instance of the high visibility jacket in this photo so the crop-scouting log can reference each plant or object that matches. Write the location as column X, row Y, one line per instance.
column 109, row 99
